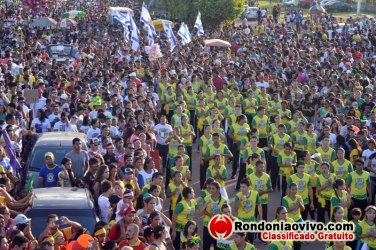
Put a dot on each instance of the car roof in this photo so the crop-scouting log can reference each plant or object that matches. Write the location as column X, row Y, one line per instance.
column 60, row 138
column 61, row 198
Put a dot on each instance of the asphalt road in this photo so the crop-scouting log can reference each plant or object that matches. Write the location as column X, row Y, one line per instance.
column 274, row 202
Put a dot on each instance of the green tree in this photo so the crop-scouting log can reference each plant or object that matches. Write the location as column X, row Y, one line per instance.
column 181, row 10
column 214, row 13
column 217, row 13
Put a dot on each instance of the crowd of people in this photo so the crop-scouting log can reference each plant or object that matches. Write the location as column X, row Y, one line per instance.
column 289, row 107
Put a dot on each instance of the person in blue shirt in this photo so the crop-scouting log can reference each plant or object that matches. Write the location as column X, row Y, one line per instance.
column 49, row 174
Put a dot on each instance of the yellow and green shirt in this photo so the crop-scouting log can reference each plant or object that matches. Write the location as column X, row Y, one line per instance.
column 204, row 142
column 211, row 172
column 184, row 211
column 325, row 194
column 311, row 168
column 262, row 124
column 186, row 134
column 278, row 142
column 339, row 201
column 248, row 246
column 297, row 137
column 171, row 188
column 363, row 228
column 327, row 155
column 289, row 202
column 239, row 131
column 341, row 170
column 311, row 142
column 358, row 184
column 248, row 206
column 286, row 159
column 304, row 184
column 212, row 207
column 262, row 183
column 212, row 150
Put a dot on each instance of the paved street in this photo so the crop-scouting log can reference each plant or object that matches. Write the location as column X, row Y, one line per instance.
column 274, row 201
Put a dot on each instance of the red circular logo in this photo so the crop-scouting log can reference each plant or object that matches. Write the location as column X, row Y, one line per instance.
column 220, row 227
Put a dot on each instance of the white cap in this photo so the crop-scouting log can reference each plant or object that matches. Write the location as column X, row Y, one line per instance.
column 21, row 219
column 64, row 96
column 133, row 74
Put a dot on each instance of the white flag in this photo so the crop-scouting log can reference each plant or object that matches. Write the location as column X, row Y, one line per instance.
column 170, row 35
column 134, row 36
column 184, row 34
column 198, row 25
column 146, row 19
column 124, row 20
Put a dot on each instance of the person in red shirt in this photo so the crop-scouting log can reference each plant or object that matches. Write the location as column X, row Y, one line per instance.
column 117, row 231
column 132, row 239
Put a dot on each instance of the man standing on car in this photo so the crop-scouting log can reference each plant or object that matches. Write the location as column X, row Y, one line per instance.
column 48, row 175
column 79, row 157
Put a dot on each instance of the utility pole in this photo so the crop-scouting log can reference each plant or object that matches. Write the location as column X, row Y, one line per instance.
column 358, row 7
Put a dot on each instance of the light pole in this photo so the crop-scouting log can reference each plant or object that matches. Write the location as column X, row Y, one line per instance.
column 358, row 7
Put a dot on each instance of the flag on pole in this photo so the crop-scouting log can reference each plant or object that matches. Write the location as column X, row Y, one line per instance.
column 146, row 20
column 198, row 25
column 150, row 37
column 184, row 34
column 12, row 156
column 125, row 21
column 170, row 35
column 134, row 36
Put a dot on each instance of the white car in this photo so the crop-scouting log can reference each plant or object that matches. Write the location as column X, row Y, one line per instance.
column 250, row 12
column 290, row 2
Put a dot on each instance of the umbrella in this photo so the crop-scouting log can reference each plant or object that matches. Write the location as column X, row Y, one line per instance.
column 158, row 24
column 74, row 13
column 316, row 9
column 67, row 22
column 217, row 43
column 43, row 22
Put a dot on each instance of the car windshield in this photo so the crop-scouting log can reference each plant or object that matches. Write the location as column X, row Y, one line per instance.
column 60, row 50
column 86, row 217
column 37, row 161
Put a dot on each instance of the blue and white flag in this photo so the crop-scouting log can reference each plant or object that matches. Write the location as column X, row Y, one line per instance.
column 170, row 35
column 146, row 20
column 125, row 21
column 134, row 36
column 184, row 34
column 198, row 25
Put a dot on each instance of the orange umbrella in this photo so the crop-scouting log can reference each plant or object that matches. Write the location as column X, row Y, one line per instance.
column 217, row 43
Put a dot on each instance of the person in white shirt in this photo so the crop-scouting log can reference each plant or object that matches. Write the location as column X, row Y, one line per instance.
column 162, row 132
column 64, row 124
column 105, row 209
column 123, row 205
column 55, row 116
column 94, row 131
column 41, row 124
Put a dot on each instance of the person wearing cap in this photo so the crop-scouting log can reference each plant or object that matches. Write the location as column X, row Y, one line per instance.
column 94, row 151
column 49, row 174
column 23, row 224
